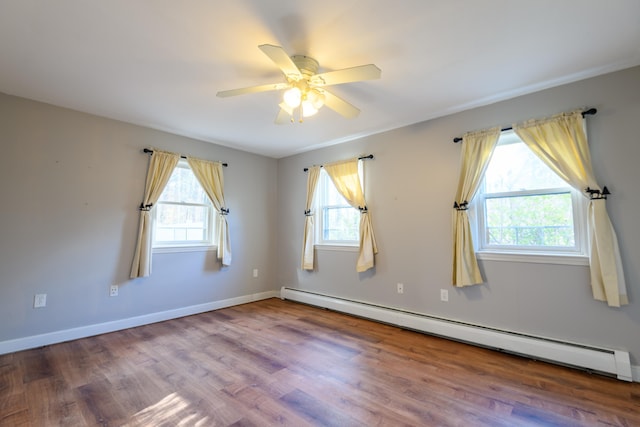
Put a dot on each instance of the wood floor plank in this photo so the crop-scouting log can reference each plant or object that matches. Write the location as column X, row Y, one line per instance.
column 12, row 390
column 51, row 403
column 15, row 419
column 36, row 366
column 261, row 409
column 276, row 362
column 99, row 405
column 366, row 409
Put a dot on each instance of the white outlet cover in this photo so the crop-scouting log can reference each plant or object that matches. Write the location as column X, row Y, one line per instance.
column 40, row 300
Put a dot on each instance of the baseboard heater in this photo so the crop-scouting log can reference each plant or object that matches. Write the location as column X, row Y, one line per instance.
column 606, row 361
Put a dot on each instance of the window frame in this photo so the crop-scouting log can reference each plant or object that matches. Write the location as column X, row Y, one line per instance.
column 206, row 244
column 319, row 208
column 575, row 255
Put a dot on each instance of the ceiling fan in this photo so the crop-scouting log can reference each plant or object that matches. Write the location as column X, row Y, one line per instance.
column 304, row 90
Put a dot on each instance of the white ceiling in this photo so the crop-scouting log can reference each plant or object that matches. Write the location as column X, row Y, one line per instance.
column 160, row 63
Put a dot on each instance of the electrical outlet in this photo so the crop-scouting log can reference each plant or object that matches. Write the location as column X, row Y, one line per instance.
column 444, row 295
column 40, row 300
column 113, row 291
column 400, row 288
column 255, row 272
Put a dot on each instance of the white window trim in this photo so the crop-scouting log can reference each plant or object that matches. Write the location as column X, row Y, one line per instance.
column 338, row 248
column 334, row 245
column 184, row 247
column 577, row 256
column 533, row 257
column 179, row 248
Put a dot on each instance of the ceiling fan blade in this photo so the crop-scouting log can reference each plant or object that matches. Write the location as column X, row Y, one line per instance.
column 347, row 75
column 339, row 105
column 252, row 89
column 282, row 60
column 283, row 117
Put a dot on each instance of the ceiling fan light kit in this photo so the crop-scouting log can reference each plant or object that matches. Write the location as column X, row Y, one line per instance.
column 305, row 90
column 292, row 97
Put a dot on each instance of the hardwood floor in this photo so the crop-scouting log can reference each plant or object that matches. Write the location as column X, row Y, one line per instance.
column 277, row 362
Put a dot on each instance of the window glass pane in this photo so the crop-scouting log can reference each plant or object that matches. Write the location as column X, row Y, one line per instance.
column 338, row 222
column 183, row 187
column 341, row 223
column 181, row 223
column 332, row 196
column 545, row 220
column 514, row 167
column 182, row 215
column 164, row 234
column 195, row 234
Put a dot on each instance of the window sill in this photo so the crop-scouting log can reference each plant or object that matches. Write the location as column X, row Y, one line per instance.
column 177, row 249
column 337, row 248
column 538, row 258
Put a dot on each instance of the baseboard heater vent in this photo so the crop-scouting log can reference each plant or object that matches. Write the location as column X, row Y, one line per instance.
column 602, row 360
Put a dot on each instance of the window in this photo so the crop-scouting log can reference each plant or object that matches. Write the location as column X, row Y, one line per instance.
column 523, row 207
column 183, row 216
column 338, row 223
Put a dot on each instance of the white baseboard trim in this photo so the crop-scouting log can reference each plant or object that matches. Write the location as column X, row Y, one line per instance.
column 609, row 361
column 55, row 337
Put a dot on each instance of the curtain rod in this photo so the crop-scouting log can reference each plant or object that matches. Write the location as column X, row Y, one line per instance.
column 370, row 156
column 584, row 113
column 149, row 151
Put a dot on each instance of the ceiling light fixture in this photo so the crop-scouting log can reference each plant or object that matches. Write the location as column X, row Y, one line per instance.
column 292, row 97
column 305, row 89
column 300, row 95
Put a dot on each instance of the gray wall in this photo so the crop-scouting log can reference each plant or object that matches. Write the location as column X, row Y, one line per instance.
column 69, row 187
column 410, row 188
column 70, row 184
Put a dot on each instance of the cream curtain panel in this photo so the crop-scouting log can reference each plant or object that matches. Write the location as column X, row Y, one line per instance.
column 562, row 144
column 476, row 153
column 161, row 166
column 309, row 225
column 210, row 177
column 345, row 177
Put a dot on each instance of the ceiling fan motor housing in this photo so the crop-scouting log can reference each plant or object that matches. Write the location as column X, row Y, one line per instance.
column 307, row 65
